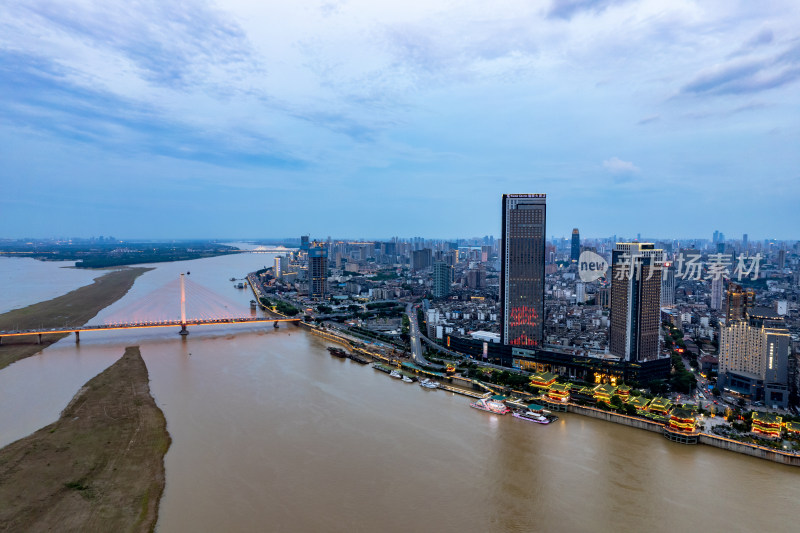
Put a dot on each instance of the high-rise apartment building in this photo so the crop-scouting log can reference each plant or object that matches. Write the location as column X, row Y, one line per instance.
column 738, row 303
column 668, row 285
column 716, row 292
column 522, row 269
column 317, row 270
column 442, row 278
column 575, row 251
column 635, row 301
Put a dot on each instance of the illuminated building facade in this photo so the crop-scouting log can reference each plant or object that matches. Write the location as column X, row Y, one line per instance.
column 522, row 269
column 635, row 301
column 738, row 302
column 754, row 357
column 317, row 271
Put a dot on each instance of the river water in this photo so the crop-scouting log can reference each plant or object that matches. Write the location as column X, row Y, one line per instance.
column 271, row 433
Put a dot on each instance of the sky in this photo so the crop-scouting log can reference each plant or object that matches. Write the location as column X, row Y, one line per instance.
column 364, row 119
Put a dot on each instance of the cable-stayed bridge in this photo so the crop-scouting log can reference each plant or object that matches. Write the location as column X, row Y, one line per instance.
column 165, row 307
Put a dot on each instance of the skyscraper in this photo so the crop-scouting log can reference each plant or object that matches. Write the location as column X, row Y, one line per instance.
column 635, row 301
column 668, row 285
column 522, row 269
column 317, row 270
column 575, row 252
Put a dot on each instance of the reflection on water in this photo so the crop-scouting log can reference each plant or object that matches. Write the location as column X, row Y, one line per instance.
column 272, row 433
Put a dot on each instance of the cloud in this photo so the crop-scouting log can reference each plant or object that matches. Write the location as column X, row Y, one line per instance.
column 649, row 120
column 172, row 44
column 616, row 165
column 566, row 9
column 748, row 75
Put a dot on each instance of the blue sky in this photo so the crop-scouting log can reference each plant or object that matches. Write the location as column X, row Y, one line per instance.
column 374, row 119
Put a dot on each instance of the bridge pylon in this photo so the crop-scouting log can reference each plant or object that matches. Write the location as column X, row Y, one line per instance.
column 183, row 330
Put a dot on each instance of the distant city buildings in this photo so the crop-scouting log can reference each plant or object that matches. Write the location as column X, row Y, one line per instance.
column 522, row 269
column 635, row 301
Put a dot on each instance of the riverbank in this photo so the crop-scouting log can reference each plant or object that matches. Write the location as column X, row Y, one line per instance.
column 99, row 467
column 75, row 308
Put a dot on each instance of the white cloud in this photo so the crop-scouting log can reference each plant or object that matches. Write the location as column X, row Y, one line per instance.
column 615, row 165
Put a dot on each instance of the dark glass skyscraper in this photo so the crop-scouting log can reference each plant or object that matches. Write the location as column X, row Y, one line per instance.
column 522, row 269
column 635, row 301
column 317, row 271
column 575, row 252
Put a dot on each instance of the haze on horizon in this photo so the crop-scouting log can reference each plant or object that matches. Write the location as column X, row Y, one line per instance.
column 358, row 118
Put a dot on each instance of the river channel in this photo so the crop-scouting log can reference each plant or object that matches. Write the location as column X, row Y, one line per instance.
column 271, row 433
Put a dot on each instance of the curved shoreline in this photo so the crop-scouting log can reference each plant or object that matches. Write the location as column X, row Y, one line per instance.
column 74, row 308
column 99, row 467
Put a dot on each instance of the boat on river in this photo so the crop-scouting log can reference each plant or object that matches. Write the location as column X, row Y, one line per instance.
column 407, row 379
column 535, row 413
column 493, row 406
column 428, row 384
column 396, row 374
column 337, row 352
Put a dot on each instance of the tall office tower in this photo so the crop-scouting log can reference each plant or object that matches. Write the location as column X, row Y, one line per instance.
column 744, row 242
column 668, row 285
column 635, row 301
column 442, row 278
column 575, row 252
column 522, row 269
column 304, row 242
column 738, row 303
column 716, row 293
column 781, row 259
column 486, row 253
column 317, row 270
column 715, row 238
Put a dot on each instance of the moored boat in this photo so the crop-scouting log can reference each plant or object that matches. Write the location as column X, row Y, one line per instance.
column 396, row 374
column 493, row 406
column 428, row 384
column 407, row 379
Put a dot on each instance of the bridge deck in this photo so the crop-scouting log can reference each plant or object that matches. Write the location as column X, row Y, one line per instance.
column 153, row 324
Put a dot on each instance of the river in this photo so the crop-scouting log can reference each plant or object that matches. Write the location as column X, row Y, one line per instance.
column 272, row 433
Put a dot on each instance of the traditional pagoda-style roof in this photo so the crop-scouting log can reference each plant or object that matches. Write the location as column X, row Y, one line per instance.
column 767, row 419
column 639, row 402
column 792, row 427
column 604, row 392
column 559, row 391
column 660, row 404
column 767, row 424
column 623, row 389
column 682, row 419
column 543, row 379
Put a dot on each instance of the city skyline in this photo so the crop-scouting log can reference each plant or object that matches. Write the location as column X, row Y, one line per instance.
column 148, row 118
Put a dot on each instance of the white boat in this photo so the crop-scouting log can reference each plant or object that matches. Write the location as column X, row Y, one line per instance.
column 396, row 374
column 531, row 416
column 428, row 384
column 493, row 406
column 407, row 379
